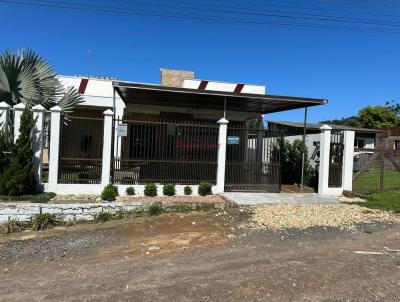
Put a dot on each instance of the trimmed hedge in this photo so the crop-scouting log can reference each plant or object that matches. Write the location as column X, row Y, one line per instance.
column 150, row 190
column 205, row 188
column 109, row 193
column 169, row 190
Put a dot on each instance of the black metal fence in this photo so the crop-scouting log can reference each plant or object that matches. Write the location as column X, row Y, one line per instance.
column 181, row 152
column 253, row 159
column 336, row 159
column 379, row 173
column 81, row 146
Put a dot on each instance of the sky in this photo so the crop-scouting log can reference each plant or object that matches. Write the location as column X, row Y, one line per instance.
column 350, row 68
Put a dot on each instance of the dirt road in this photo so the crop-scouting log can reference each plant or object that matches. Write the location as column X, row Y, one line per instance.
column 195, row 257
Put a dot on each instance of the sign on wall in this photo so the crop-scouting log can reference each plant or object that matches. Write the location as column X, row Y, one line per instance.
column 233, row 140
column 122, row 130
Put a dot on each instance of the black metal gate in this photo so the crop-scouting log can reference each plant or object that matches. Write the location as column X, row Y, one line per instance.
column 253, row 160
column 166, row 151
column 336, row 159
column 81, row 149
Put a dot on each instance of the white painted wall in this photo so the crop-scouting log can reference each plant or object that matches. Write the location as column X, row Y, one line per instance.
column 224, row 86
column 95, row 189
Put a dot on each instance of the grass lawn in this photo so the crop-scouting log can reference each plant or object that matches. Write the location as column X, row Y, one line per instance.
column 369, row 181
column 389, row 201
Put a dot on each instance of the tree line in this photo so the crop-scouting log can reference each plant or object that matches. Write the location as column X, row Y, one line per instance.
column 372, row 117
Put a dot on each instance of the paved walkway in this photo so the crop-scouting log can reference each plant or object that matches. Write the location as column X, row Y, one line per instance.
column 278, row 198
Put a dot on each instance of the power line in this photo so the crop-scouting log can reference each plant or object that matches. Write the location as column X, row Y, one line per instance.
column 264, row 5
column 270, row 13
column 253, row 11
column 187, row 17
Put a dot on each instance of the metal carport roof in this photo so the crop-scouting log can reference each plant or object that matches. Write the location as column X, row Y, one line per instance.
column 182, row 97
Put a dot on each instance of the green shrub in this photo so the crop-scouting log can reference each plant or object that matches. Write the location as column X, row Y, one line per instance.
column 130, row 191
column 103, row 217
column 169, row 190
column 205, row 188
column 155, row 209
column 291, row 162
column 12, row 226
column 43, row 221
column 150, row 190
column 188, row 190
column 109, row 193
column 18, row 178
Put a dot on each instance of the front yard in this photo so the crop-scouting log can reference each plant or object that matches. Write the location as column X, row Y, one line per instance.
column 274, row 253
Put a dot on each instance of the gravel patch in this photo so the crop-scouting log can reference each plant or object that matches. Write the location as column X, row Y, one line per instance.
column 57, row 247
column 278, row 217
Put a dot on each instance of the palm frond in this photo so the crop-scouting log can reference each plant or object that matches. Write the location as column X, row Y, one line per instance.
column 28, row 78
column 69, row 100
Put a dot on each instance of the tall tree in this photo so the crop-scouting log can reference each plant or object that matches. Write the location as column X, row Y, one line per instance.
column 19, row 177
column 394, row 106
column 28, row 78
column 378, row 117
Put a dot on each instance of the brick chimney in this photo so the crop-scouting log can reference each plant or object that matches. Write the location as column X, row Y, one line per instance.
column 174, row 77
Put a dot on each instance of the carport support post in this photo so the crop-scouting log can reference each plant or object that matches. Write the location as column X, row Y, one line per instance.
column 325, row 145
column 223, row 129
column 17, row 119
column 37, row 142
column 4, row 118
column 348, row 160
column 107, row 143
column 55, row 141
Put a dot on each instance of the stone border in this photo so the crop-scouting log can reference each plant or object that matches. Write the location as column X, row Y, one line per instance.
column 80, row 212
column 64, row 212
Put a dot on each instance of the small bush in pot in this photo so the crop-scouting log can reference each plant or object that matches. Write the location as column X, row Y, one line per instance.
column 130, row 191
column 205, row 188
column 109, row 193
column 188, row 190
column 169, row 190
column 150, row 190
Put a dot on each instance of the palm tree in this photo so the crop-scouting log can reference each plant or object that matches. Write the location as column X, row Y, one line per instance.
column 28, row 78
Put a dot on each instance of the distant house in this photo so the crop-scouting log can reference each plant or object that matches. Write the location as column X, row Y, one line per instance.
column 389, row 139
column 364, row 138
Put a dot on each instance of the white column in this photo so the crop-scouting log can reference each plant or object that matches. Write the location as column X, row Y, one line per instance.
column 37, row 142
column 348, row 160
column 18, row 109
column 324, row 149
column 119, row 114
column 4, row 117
column 223, row 128
column 55, row 126
column 107, row 142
